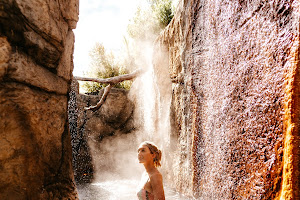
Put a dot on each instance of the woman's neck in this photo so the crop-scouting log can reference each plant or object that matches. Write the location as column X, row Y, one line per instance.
column 149, row 168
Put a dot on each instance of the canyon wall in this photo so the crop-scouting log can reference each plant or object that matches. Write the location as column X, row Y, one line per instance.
column 234, row 68
column 36, row 64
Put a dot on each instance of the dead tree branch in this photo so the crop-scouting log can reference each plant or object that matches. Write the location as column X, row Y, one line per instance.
column 111, row 82
column 102, row 100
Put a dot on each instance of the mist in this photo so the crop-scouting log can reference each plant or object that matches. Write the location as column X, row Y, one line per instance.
column 115, row 157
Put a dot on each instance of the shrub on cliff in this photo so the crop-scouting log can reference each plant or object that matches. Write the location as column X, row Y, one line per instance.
column 163, row 12
column 149, row 21
column 104, row 65
column 144, row 27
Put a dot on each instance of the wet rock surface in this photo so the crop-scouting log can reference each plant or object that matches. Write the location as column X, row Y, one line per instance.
column 235, row 73
column 36, row 48
column 89, row 128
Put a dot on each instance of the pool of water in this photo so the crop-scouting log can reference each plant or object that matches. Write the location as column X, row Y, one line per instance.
column 119, row 190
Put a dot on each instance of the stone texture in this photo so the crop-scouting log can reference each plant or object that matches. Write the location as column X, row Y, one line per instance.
column 234, row 69
column 114, row 118
column 4, row 56
column 35, row 71
column 45, row 17
column 70, row 11
column 36, row 153
column 40, row 27
column 23, row 69
column 111, row 118
column 66, row 65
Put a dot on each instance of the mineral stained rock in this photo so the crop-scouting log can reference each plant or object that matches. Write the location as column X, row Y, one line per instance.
column 36, row 50
column 234, row 67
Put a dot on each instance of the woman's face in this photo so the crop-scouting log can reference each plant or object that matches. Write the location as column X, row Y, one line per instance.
column 144, row 154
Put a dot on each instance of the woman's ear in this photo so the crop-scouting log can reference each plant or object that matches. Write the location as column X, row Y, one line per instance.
column 153, row 155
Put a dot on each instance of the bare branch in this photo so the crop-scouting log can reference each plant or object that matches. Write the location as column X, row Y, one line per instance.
column 112, row 80
column 102, row 100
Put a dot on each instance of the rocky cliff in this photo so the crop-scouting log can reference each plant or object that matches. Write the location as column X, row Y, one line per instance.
column 234, row 67
column 36, row 63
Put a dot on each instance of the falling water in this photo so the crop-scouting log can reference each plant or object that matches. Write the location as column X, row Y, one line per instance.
column 154, row 103
column 117, row 171
column 234, row 69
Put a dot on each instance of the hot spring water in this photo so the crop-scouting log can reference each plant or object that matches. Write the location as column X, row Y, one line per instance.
column 118, row 190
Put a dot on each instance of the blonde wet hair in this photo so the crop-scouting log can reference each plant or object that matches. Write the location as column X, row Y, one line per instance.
column 154, row 150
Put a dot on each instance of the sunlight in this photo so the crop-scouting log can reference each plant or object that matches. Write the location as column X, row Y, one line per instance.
column 104, row 22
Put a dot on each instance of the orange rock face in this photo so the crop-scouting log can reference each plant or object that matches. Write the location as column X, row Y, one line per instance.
column 234, row 67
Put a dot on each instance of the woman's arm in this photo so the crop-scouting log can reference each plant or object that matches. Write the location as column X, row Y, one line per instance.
column 157, row 186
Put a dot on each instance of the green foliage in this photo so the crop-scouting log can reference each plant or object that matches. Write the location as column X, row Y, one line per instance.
column 148, row 22
column 145, row 26
column 164, row 12
column 104, row 65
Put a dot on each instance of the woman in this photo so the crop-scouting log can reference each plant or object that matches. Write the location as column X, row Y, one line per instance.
column 151, row 186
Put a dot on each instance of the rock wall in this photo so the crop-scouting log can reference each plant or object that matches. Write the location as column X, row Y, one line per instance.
column 36, row 63
column 89, row 128
column 234, row 67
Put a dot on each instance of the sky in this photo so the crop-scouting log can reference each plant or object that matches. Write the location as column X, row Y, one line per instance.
column 100, row 21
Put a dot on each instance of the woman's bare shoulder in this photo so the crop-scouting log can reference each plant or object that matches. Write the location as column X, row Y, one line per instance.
column 157, row 185
column 156, row 175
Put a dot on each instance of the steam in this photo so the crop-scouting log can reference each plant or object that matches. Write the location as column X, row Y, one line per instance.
column 115, row 157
